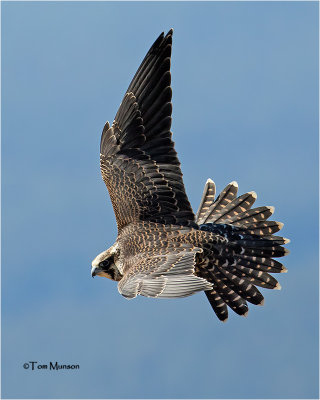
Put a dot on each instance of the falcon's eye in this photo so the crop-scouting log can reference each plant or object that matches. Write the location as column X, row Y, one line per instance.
column 104, row 263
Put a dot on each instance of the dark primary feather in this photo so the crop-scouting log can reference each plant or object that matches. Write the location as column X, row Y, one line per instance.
column 138, row 161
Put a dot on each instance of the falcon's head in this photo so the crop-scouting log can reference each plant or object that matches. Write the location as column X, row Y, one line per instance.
column 105, row 264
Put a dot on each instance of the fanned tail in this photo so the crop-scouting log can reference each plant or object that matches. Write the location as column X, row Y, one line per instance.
column 246, row 259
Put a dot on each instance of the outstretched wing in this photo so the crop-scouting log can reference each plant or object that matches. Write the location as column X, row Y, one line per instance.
column 166, row 275
column 139, row 164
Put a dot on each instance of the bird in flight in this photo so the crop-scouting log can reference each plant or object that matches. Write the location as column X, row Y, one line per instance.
column 163, row 249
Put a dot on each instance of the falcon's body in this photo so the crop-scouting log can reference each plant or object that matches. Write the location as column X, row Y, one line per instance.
column 162, row 248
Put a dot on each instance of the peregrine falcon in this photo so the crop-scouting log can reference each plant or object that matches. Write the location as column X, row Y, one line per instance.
column 163, row 249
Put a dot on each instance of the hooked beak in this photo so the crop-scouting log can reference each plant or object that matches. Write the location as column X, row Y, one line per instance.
column 94, row 271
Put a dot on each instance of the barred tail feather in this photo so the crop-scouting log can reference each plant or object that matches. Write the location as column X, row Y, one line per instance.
column 207, row 199
column 250, row 216
column 262, row 264
column 245, row 260
column 228, row 194
column 262, row 227
column 234, row 208
column 228, row 294
column 241, row 286
column 258, row 278
column 217, row 304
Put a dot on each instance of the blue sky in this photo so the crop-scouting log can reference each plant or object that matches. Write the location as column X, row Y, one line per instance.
column 245, row 108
